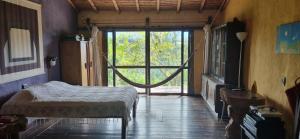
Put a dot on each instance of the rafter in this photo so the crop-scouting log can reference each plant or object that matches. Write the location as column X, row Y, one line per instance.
column 203, row 2
column 72, row 4
column 222, row 6
column 157, row 5
column 225, row 4
column 178, row 5
column 116, row 5
column 93, row 5
column 137, row 6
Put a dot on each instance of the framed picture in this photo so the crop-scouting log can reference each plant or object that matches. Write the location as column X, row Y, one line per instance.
column 21, row 44
column 288, row 38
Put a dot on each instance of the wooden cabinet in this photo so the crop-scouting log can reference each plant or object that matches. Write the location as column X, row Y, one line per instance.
column 223, row 62
column 224, row 52
column 76, row 63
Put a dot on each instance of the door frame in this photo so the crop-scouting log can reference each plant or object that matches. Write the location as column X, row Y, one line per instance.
column 147, row 66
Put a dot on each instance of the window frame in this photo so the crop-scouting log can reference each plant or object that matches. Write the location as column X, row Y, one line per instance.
column 147, row 66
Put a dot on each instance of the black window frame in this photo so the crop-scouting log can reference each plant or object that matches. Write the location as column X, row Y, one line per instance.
column 147, row 66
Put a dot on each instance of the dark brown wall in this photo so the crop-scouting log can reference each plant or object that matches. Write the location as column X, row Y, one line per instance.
column 58, row 18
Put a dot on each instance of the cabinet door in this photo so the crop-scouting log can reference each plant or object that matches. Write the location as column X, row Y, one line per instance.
column 71, row 62
column 84, row 65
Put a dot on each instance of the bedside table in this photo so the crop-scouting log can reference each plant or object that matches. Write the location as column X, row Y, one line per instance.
column 238, row 103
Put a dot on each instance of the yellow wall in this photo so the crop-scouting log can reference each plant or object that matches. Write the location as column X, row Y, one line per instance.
column 198, row 60
column 262, row 64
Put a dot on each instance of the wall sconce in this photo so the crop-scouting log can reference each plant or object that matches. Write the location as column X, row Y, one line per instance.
column 51, row 61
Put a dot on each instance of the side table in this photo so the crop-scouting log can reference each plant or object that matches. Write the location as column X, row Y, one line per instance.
column 238, row 103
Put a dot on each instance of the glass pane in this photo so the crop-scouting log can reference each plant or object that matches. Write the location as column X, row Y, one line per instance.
column 130, row 48
column 110, row 47
column 110, row 77
column 165, row 48
column 213, row 54
column 186, row 46
column 185, row 81
column 222, row 54
column 158, row 75
column 134, row 75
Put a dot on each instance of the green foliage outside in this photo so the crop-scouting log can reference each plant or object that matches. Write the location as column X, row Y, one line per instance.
column 165, row 50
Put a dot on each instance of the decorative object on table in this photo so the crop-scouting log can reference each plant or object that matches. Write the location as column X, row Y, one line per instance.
column 241, row 36
column 288, row 38
column 263, row 122
column 22, row 47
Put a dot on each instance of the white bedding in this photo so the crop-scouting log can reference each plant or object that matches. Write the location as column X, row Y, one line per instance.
column 58, row 99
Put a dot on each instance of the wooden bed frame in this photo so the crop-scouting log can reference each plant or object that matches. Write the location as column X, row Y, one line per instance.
column 124, row 124
column 124, row 121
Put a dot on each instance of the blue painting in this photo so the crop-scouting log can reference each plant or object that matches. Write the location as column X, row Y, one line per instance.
column 288, row 38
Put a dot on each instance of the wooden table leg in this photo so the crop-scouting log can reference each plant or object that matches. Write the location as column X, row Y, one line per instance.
column 124, row 128
column 233, row 130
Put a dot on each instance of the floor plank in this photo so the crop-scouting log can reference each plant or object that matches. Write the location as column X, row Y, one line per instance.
column 158, row 117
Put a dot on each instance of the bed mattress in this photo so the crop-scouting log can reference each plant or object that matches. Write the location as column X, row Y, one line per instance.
column 61, row 100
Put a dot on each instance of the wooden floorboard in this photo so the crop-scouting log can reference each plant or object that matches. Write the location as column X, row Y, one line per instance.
column 158, row 117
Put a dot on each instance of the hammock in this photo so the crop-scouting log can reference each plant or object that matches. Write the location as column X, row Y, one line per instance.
column 149, row 85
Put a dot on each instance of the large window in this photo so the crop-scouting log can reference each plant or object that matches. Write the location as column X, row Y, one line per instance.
column 148, row 57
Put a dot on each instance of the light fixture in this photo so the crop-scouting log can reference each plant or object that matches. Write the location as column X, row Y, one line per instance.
column 51, row 61
column 241, row 36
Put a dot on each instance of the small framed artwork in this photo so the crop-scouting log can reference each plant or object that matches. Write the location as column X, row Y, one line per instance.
column 288, row 38
column 21, row 44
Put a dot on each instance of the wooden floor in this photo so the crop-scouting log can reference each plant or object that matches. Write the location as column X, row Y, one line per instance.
column 158, row 117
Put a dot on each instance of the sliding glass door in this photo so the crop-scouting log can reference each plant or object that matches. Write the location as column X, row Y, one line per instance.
column 165, row 59
column 126, row 50
column 149, row 57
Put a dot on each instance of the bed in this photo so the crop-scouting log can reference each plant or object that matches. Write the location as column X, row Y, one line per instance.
column 61, row 100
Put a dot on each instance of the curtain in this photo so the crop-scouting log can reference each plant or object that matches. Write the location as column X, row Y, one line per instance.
column 207, row 31
column 95, row 43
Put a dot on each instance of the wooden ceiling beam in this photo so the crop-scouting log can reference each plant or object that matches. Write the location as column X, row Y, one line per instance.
column 72, row 4
column 178, row 5
column 137, row 6
column 203, row 2
column 225, row 4
column 222, row 7
column 116, row 5
column 157, row 5
column 93, row 5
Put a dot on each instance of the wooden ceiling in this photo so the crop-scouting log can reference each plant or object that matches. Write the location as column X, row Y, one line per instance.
column 147, row 5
